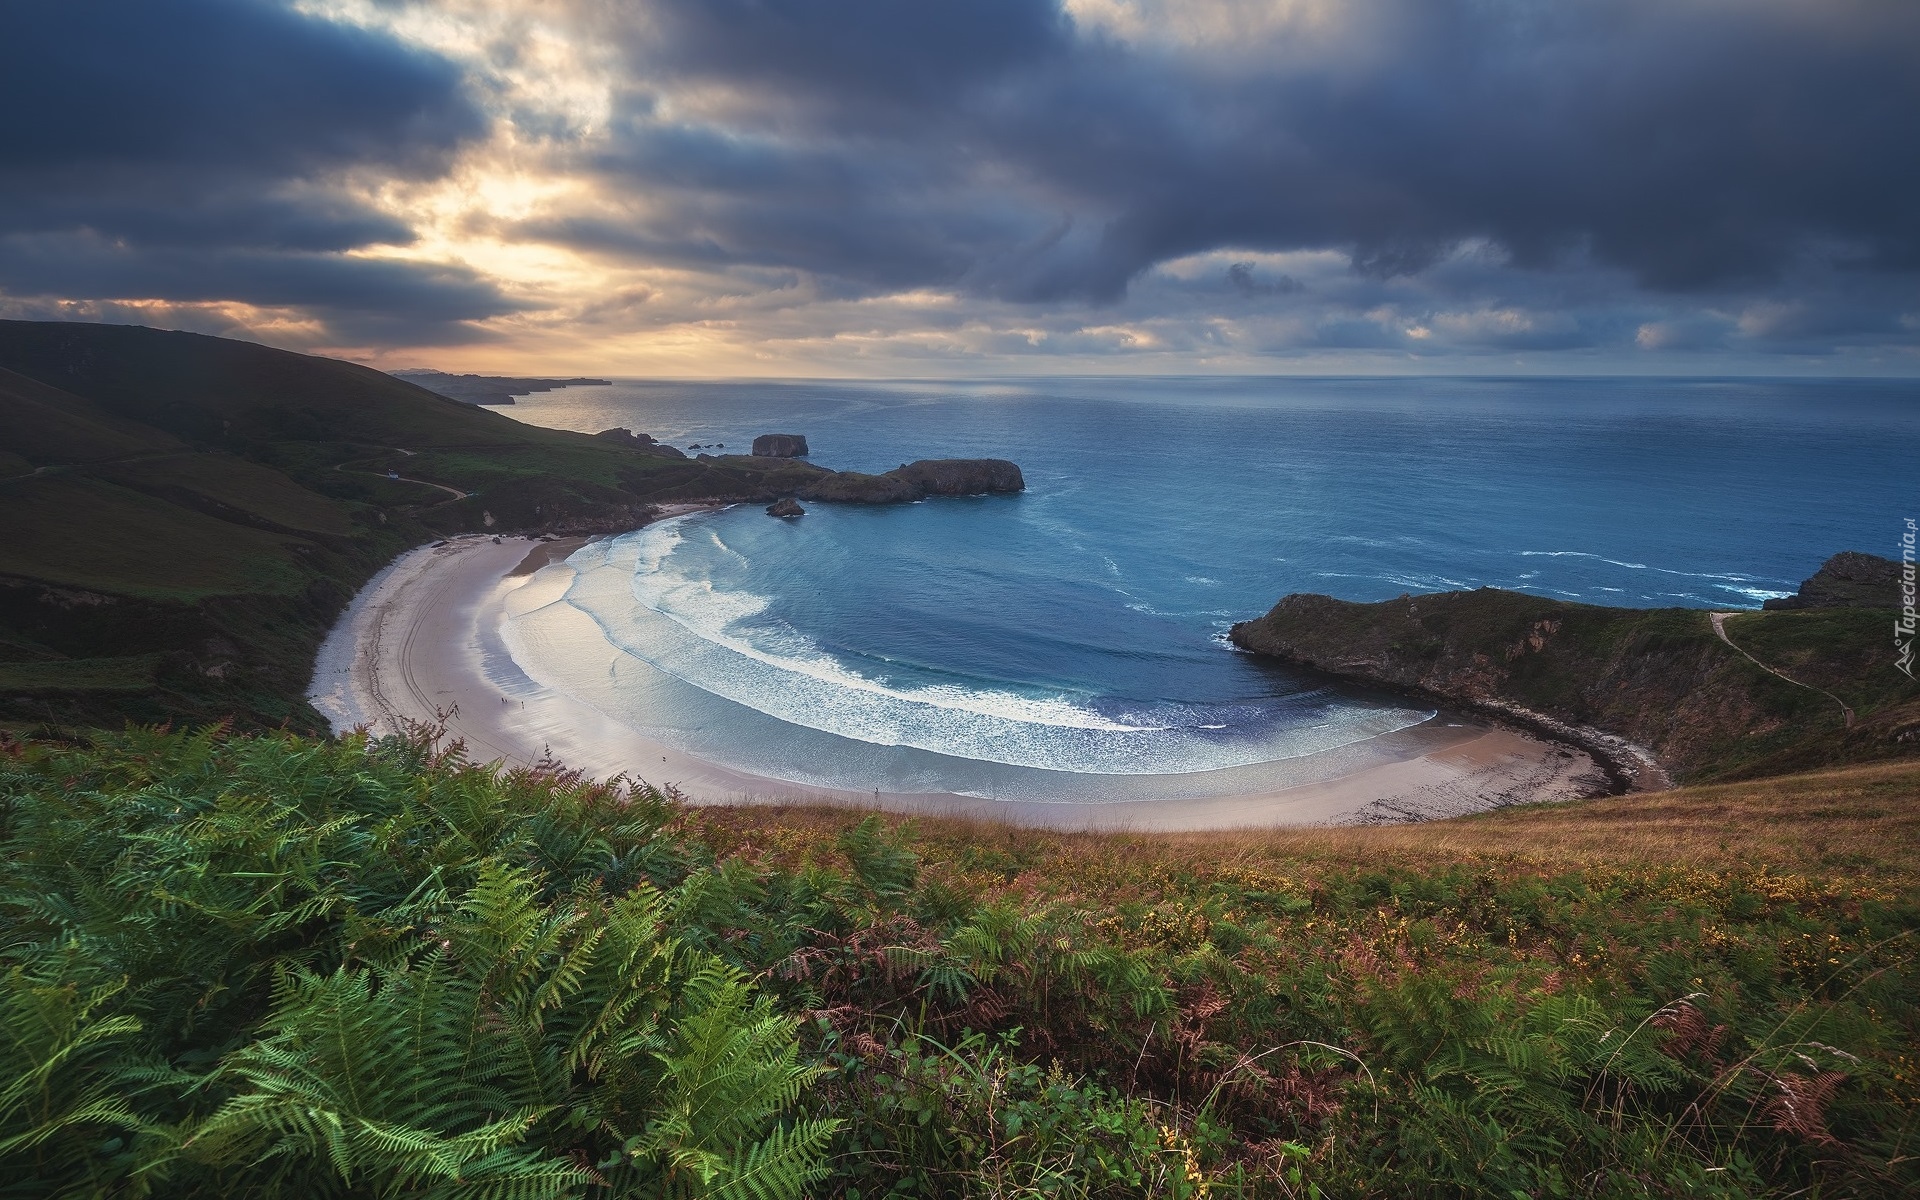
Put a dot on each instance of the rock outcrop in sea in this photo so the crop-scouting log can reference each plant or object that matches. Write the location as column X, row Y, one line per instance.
column 786, row 506
column 780, row 445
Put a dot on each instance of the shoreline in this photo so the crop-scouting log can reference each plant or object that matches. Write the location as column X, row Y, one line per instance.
column 1628, row 766
column 421, row 642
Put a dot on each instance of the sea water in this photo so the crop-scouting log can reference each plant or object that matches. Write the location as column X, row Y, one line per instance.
column 1069, row 641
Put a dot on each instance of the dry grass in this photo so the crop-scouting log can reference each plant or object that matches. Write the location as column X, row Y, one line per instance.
column 1858, row 822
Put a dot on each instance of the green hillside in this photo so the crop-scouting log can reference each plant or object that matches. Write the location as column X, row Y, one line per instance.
column 186, row 515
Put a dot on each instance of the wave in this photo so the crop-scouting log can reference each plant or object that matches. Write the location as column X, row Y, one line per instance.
column 710, row 615
column 725, row 641
column 1432, row 582
column 1580, row 554
column 1728, row 576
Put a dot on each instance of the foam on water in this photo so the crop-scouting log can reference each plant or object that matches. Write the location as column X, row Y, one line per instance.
column 675, row 618
column 717, row 619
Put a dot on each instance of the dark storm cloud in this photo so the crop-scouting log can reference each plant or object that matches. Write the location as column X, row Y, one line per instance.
column 852, row 210
column 870, row 53
column 195, row 150
column 1242, row 278
column 1694, row 146
column 216, row 83
column 85, row 266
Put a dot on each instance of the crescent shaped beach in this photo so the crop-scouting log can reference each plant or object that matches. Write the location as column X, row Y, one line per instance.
column 423, row 643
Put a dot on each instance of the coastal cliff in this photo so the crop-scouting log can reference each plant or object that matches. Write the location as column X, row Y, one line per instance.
column 1659, row 678
column 1849, row 579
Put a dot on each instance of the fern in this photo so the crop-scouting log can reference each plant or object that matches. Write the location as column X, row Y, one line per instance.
column 61, row 1077
column 263, row 967
column 882, row 864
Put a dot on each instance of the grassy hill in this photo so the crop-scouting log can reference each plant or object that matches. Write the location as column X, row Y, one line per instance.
column 186, row 515
column 1659, row 677
column 260, row 966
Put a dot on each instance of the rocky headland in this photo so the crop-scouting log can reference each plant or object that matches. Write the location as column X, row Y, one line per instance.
column 1649, row 691
column 916, row 481
column 1849, row 579
column 582, row 508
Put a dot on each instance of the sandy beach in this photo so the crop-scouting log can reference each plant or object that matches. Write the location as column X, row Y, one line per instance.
column 422, row 642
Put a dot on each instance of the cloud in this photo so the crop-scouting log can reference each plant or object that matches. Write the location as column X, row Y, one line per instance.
column 224, row 150
column 1013, row 152
column 870, row 55
column 1211, row 182
column 1241, row 278
column 220, row 84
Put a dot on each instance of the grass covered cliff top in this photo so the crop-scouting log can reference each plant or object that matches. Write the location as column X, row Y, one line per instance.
column 1660, row 677
column 256, row 966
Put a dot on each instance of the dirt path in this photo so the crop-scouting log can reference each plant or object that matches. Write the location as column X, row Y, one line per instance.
column 456, row 493
column 1719, row 620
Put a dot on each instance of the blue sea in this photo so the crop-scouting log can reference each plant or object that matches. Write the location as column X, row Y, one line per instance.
column 1070, row 641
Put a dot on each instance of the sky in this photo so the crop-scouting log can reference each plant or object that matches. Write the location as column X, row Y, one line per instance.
column 939, row 188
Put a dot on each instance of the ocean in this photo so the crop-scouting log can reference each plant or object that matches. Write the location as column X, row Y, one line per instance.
column 1069, row 642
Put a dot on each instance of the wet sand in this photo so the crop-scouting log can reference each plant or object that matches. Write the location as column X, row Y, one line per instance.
column 422, row 643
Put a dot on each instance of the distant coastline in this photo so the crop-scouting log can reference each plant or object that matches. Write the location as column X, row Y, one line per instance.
column 489, row 389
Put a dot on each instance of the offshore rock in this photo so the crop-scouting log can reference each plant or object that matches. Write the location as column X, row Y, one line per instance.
column 780, row 445
column 786, row 506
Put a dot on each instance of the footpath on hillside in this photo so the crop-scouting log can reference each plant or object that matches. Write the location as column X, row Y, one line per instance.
column 1719, row 620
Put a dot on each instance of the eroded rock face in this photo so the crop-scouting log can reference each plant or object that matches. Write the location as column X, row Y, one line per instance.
column 780, row 445
column 786, row 506
column 1849, row 579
